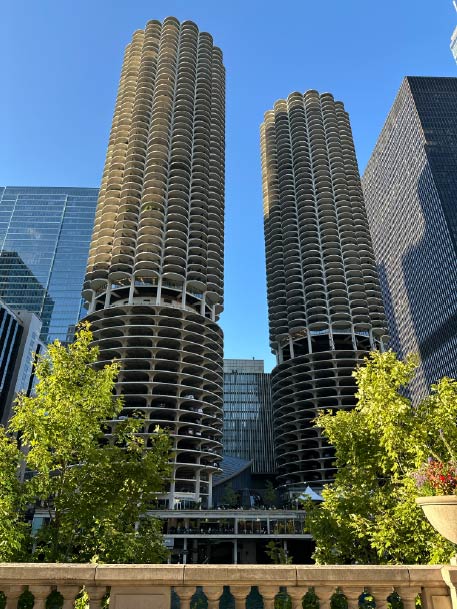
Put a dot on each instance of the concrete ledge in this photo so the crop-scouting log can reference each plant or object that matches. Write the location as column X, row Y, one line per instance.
column 171, row 575
column 435, row 576
column 52, row 573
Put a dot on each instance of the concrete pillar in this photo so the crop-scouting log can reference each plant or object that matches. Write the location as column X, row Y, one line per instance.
column 171, row 495
column 268, row 594
column 354, row 341
column 107, row 295
column 185, row 594
column 279, row 356
column 12, row 595
column 132, row 290
column 202, row 304
column 184, row 556
column 296, row 594
column 291, row 346
column 183, row 295
column 41, row 594
column 235, row 551
column 310, row 342
column 159, row 290
column 197, row 486
column 240, row 593
column 69, row 594
column 96, row 595
column 93, row 302
column 210, row 490
column 331, row 341
column 213, row 594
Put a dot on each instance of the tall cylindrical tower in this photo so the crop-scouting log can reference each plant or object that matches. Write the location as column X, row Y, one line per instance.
column 154, row 281
column 324, row 301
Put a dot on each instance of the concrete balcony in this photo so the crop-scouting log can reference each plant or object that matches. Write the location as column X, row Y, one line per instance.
column 160, row 586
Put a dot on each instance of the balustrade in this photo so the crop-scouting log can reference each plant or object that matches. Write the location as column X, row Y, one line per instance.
column 280, row 586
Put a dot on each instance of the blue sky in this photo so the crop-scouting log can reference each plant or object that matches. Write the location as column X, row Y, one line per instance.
column 60, row 63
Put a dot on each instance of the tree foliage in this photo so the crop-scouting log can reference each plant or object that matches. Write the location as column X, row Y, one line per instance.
column 369, row 514
column 269, row 494
column 230, row 497
column 277, row 554
column 96, row 494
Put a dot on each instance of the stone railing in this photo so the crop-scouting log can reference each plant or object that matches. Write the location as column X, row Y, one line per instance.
column 160, row 586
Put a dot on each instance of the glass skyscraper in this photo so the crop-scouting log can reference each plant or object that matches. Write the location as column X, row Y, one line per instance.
column 248, row 414
column 410, row 188
column 44, row 243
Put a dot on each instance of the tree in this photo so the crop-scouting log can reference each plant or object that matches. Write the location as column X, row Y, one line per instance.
column 13, row 530
column 277, row 553
column 369, row 514
column 269, row 494
column 96, row 494
column 229, row 497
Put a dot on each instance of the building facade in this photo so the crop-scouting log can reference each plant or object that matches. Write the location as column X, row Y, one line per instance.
column 248, row 414
column 410, row 187
column 44, row 242
column 154, row 282
column 19, row 344
column 324, row 302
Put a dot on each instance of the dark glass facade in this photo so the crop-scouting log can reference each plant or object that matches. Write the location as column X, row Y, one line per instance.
column 410, row 188
column 10, row 338
column 248, row 414
column 44, row 243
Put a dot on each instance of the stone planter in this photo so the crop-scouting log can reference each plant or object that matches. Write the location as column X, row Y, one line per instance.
column 441, row 512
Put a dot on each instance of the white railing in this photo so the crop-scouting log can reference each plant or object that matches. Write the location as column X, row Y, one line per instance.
column 151, row 586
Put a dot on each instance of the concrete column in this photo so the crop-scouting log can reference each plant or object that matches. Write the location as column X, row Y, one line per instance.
column 210, row 490
column 240, row 593
column 96, row 596
column 41, row 594
column 132, row 290
column 159, row 290
column 310, row 342
column 354, row 341
column 12, row 595
column 202, row 304
column 171, row 495
column 194, row 551
column 183, row 294
column 279, row 356
column 235, row 551
column 331, row 341
column 184, row 556
column 213, row 594
column 185, row 594
column 107, row 295
column 69, row 594
column 268, row 594
column 291, row 346
column 296, row 594
column 197, row 485
column 93, row 302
